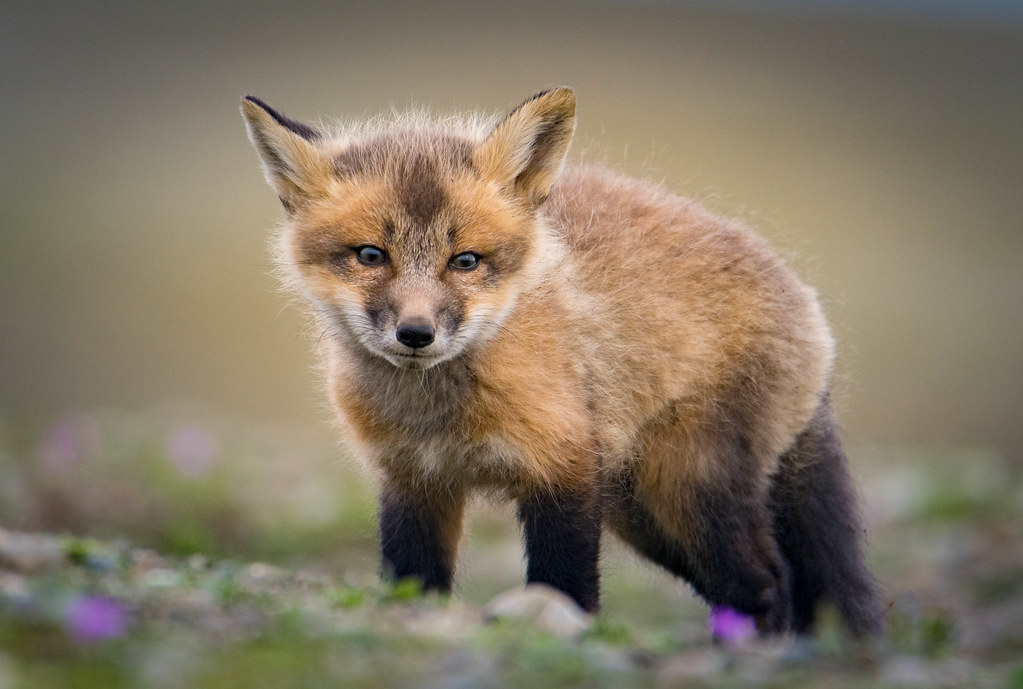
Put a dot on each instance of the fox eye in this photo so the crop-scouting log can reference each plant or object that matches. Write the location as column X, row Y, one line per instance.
column 369, row 255
column 465, row 261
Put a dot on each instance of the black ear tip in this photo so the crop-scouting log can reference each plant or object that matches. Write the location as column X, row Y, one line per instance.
column 561, row 93
column 296, row 127
column 562, row 98
column 257, row 101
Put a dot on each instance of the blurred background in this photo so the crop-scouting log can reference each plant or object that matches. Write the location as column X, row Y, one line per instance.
column 881, row 143
column 154, row 382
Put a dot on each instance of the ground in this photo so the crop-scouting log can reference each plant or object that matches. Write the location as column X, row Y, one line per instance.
column 167, row 550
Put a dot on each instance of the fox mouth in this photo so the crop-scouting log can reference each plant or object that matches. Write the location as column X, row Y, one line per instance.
column 403, row 357
column 413, row 360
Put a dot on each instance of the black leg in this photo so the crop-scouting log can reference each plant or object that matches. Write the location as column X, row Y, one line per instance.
column 726, row 552
column 562, row 534
column 819, row 530
column 738, row 563
column 419, row 536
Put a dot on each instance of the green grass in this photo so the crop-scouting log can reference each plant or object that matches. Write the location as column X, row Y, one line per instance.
column 174, row 549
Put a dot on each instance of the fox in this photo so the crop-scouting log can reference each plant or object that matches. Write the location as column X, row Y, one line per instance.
column 596, row 349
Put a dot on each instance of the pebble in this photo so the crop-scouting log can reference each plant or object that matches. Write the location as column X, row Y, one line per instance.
column 454, row 622
column 29, row 554
column 701, row 664
column 161, row 578
column 908, row 671
column 542, row 607
column 13, row 586
column 914, row 671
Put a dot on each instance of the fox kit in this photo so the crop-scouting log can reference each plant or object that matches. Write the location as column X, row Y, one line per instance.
column 591, row 346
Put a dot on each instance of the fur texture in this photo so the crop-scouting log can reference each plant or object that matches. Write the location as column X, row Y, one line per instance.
column 589, row 345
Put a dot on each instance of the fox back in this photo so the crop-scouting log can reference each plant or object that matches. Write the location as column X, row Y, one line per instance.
column 595, row 348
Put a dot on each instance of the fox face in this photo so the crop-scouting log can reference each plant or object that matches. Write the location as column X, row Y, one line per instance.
column 415, row 266
column 413, row 243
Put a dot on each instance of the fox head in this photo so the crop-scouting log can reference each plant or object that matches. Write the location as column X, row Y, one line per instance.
column 413, row 240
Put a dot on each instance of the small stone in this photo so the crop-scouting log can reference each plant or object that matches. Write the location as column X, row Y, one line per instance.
column 142, row 560
column 263, row 571
column 30, row 554
column 799, row 651
column 761, row 659
column 260, row 577
column 913, row 671
column 698, row 665
column 907, row 671
column 161, row 578
column 463, row 669
column 100, row 562
column 542, row 607
column 14, row 588
column 608, row 660
column 453, row 622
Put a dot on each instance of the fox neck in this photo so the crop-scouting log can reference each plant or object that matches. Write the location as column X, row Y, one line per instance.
column 421, row 402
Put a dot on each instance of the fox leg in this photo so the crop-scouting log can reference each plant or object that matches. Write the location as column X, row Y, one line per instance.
column 726, row 552
column 698, row 506
column 819, row 530
column 736, row 560
column 561, row 529
column 419, row 533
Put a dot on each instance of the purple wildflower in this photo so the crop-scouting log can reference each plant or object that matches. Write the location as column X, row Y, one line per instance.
column 191, row 449
column 730, row 626
column 69, row 441
column 95, row 618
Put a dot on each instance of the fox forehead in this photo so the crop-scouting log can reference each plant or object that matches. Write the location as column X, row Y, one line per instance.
column 403, row 154
column 413, row 162
column 416, row 194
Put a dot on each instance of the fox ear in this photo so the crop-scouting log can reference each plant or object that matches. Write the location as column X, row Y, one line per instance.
column 525, row 152
column 292, row 162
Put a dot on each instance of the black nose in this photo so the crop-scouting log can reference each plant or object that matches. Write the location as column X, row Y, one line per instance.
column 415, row 334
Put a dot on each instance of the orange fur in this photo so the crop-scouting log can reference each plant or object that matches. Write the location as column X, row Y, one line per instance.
column 609, row 326
column 642, row 316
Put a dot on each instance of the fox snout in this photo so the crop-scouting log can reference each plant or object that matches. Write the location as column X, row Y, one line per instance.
column 416, row 329
column 415, row 332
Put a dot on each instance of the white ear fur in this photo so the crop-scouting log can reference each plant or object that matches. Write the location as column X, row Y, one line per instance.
column 293, row 164
column 526, row 151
